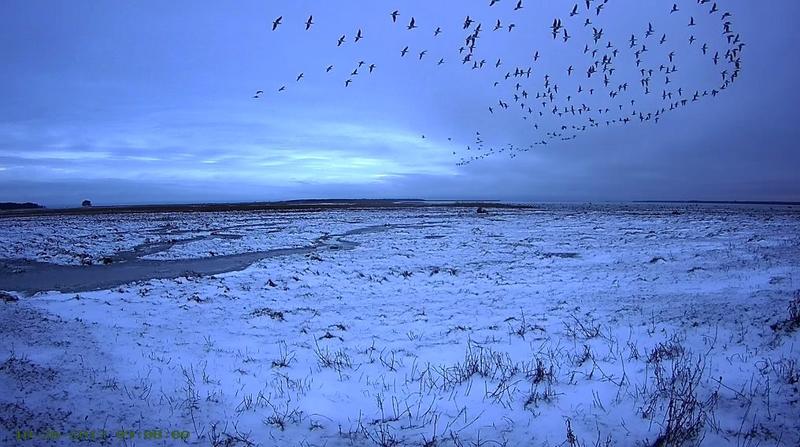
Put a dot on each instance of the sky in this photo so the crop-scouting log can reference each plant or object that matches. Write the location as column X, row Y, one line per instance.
column 135, row 102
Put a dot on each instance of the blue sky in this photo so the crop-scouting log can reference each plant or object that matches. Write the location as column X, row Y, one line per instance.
column 151, row 102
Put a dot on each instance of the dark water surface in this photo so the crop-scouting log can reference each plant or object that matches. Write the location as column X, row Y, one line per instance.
column 32, row 276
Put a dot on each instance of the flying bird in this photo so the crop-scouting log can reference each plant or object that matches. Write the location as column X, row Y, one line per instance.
column 276, row 23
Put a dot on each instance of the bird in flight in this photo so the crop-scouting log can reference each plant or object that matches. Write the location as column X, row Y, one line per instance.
column 309, row 22
column 412, row 24
column 359, row 36
column 276, row 23
column 467, row 22
column 519, row 6
column 394, row 15
column 341, row 41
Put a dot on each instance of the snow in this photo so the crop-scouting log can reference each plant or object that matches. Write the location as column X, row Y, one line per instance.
column 549, row 326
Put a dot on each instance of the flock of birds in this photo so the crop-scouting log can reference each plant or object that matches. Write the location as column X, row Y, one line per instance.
column 557, row 100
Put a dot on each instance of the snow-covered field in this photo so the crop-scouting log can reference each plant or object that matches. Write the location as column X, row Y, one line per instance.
column 561, row 325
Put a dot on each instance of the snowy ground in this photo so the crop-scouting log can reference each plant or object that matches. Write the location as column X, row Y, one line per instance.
column 564, row 325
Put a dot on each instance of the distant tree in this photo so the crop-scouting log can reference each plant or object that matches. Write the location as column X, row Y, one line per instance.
column 86, row 203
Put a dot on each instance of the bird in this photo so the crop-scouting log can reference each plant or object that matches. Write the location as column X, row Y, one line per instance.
column 371, row 67
column 300, row 76
column 404, row 51
column 674, row 8
column 412, row 24
column 519, row 6
column 394, row 15
column 359, row 36
column 437, row 32
column 276, row 23
column 467, row 22
column 309, row 22
column 341, row 41
column 348, row 82
column 330, row 67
